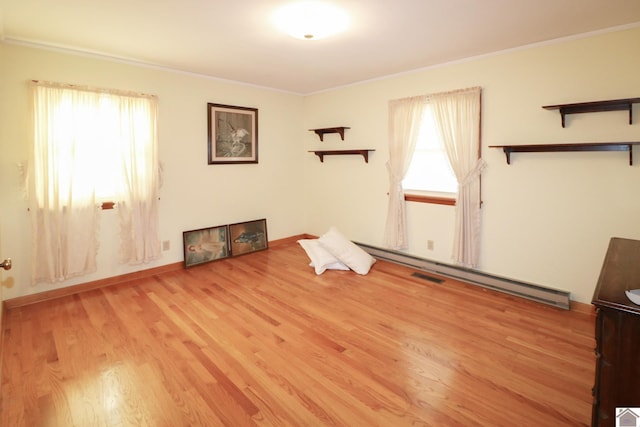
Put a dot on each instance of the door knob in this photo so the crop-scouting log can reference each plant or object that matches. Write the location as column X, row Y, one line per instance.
column 6, row 264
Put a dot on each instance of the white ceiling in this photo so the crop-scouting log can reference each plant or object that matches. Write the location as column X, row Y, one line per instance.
column 236, row 40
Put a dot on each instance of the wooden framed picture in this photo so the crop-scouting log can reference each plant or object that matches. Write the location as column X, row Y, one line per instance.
column 247, row 237
column 233, row 134
column 205, row 245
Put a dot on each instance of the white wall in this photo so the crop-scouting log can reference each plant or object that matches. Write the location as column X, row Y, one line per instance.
column 194, row 194
column 547, row 218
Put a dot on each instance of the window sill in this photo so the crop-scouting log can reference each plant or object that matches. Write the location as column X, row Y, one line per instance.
column 430, row 199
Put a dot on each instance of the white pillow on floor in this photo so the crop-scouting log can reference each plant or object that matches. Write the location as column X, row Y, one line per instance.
column 346, row 251
column 321, row 259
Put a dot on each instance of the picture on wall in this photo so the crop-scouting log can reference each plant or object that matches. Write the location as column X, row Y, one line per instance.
column 205, row 245
column 232, row 134
column 247, row 237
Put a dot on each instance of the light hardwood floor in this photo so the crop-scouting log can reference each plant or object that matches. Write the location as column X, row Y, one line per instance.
column 261, row 340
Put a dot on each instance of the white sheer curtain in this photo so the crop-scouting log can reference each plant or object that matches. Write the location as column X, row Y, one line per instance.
column 404, row 127
column 138, row 201
column 458, row 118
column 77, row 134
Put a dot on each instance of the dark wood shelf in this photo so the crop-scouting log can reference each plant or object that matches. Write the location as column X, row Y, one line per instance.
column 590, row 146
column 594, row 107
column 363, row 152
column 321, row 132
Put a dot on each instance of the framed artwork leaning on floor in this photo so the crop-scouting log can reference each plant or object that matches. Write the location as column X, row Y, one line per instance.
column 247, row 237
column 205, row 245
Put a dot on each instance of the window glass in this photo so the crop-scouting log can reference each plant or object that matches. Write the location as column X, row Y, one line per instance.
column 430, row 171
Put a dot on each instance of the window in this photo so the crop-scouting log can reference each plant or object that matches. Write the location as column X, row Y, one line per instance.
column 430, row 172
column 84, row 141
column 457, row 114
column 90, row 146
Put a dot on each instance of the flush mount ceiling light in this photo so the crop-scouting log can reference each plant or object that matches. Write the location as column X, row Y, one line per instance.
column 310, row 20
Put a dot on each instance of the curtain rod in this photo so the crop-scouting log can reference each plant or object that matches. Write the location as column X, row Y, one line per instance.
column 93, row 89
column 451, row 92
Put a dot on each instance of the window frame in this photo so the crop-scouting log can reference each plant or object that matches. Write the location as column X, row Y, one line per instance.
column 414, row 196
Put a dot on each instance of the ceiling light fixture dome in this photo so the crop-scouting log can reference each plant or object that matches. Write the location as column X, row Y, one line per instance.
column 311, row 20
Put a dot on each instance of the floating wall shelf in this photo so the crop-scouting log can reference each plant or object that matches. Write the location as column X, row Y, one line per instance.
column 595, row 106
column 591, row 146
column 321, row 132
column 363, row 152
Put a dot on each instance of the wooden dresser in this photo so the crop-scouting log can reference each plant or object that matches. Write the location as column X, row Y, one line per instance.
column 617, row 382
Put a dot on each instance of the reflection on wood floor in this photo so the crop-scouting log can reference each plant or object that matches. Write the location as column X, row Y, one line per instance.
column 261, row 340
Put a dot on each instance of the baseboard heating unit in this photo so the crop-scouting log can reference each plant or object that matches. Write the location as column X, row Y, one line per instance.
column 554, row 297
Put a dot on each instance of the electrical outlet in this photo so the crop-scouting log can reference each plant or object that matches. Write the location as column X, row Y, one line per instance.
column 166, row 245
column 430, row 245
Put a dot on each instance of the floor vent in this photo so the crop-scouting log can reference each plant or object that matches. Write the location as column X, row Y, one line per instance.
column 554, row 297
column 429, row 278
